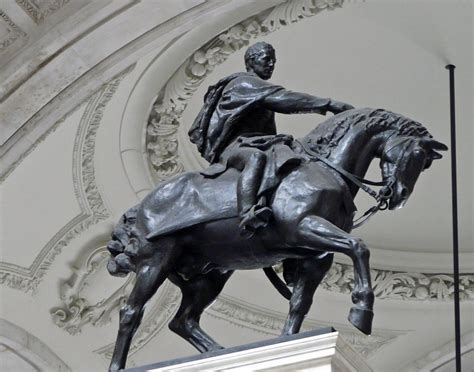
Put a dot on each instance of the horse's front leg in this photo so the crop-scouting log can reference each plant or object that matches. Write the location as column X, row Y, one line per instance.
column 308, row 274
column 150, row 275
column 317, row 233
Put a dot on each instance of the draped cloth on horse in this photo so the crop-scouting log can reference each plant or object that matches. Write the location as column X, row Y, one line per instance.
column 190, row 199
column 187, row 200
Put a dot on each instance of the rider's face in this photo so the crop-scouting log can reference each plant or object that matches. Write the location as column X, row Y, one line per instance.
column 264, row 63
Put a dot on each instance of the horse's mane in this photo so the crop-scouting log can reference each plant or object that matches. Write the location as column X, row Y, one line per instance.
column 326, row 136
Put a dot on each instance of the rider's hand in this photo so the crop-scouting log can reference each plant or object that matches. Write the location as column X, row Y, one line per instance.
column 337, row 107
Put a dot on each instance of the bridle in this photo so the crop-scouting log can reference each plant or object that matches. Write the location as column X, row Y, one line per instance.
column 385, row 193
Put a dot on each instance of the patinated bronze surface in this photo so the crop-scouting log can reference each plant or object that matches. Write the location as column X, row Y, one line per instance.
column 236, row 128
column 265, row 199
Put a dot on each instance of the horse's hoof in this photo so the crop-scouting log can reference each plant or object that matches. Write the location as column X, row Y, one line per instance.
column 361, row 319
column 114, row 368
column 216, row 348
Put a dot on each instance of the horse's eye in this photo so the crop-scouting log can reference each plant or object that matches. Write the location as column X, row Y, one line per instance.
column 418, row 152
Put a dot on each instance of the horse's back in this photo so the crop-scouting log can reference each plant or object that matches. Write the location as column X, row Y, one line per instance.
column 186, row 200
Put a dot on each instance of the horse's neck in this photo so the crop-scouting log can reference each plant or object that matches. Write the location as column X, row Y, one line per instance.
column 355, row 152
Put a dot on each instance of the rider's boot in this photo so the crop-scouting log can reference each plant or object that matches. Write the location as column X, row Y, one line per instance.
column 255, row 218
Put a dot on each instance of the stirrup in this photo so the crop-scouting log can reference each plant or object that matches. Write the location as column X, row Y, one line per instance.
column 256, row 218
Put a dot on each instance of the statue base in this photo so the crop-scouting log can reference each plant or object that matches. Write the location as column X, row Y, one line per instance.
column 318, row 350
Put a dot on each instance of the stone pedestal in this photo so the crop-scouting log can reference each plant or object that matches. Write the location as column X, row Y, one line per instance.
column 320, row 351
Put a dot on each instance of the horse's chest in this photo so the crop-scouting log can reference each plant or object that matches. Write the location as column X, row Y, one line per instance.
column 310, row 191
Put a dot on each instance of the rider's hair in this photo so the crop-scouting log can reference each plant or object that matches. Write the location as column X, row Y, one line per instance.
column 254, row 51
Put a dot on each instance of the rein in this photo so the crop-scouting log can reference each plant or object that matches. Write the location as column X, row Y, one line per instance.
column 381, row 198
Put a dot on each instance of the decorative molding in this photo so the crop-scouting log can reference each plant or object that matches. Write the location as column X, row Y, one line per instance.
column 40, row 10
column 76, row 310
column 92, row 207
column 14, row 32
column 441, row 356
column 167, row 110
column 396, row 285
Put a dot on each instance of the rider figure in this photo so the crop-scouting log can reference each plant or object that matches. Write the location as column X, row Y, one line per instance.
column 236, row 128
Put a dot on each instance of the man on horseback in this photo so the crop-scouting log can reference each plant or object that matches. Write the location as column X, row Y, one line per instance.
column 236, row 128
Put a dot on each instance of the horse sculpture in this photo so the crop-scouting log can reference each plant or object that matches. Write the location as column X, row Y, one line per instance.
column 313, row 217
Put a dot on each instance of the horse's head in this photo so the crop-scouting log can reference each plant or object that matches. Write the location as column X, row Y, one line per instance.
column 403, row 159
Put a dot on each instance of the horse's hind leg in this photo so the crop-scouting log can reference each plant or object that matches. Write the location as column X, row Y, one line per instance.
column 150, row 275
column 198, row 293
column 308, row 275
column 317, row 233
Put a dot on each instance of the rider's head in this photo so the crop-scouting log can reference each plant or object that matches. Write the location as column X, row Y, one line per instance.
column 260, row 59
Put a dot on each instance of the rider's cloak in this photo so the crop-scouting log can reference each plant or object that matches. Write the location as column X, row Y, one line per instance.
column 224, row 110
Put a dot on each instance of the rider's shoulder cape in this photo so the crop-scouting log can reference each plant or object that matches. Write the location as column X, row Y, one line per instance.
column 222, row 110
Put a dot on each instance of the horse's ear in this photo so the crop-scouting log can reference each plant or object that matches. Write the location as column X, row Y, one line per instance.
column 434, row 145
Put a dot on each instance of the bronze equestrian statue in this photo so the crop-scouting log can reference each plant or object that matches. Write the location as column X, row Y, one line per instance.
column 265, row 199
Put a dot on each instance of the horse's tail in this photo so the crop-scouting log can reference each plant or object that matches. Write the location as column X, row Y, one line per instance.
column 124, row 245
column 279, row 284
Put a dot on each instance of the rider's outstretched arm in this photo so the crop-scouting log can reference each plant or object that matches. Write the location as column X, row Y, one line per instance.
column 288, row 102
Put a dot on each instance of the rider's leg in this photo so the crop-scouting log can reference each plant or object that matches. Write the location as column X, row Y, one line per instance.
column 251, row 162
column 198, row 293
column 317, row 233
column 308, row 275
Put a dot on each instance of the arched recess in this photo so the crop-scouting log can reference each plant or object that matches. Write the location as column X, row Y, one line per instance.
column 20, row 351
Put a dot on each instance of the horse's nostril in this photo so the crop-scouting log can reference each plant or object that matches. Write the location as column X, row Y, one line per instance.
column 404, row 192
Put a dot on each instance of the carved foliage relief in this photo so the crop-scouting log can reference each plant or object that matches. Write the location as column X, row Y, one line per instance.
column 77, row 292
column 402, row 285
